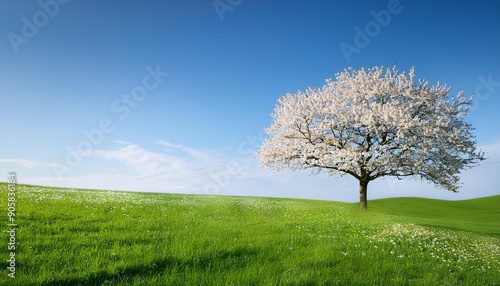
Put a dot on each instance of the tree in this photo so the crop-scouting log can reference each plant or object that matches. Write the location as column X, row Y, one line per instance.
column 372, row 123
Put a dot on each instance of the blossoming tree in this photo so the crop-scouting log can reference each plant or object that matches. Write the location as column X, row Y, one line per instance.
column 372, row 123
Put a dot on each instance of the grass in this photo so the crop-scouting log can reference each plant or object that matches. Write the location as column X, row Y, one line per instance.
column 84, row 237
column 480, row 215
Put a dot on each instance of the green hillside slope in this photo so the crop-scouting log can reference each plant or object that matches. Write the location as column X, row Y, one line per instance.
column 85, row 237
column 480, row 215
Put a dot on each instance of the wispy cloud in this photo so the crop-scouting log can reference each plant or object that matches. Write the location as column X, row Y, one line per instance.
column 30, row 164
column 158, row 171
column 145, row 163
column 184, row 169
column 176, row 168
column 122, row 142
column 206, row 156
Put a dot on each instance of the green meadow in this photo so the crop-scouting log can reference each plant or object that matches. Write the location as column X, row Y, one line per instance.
column 89, row 237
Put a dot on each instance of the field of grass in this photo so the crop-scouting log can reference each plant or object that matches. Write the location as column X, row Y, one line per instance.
column 83, row 237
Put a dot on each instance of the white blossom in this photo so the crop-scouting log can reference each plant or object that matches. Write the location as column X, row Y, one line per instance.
column 371, row 123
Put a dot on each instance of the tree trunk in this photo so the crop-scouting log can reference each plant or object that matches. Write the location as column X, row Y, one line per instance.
column 363, row 200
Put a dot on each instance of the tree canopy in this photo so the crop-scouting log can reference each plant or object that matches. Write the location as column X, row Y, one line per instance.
column 372, row 123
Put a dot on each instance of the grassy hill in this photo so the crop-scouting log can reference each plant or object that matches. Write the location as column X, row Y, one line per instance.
column 84, row 237
column 480, row 215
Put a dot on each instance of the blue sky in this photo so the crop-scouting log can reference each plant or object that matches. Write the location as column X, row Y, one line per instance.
column 173, row 96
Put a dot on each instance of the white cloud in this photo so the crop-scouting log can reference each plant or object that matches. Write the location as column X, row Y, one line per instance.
column 183, row 169
column 129, row 167
column 209, row 156
column 30, row 164
column 122, row 142
column 145, row 163
column 157, row 171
